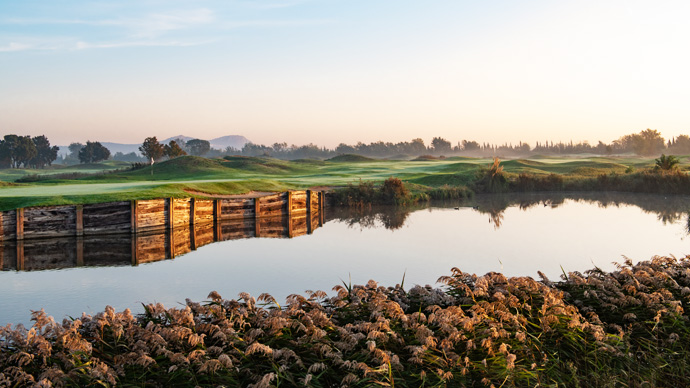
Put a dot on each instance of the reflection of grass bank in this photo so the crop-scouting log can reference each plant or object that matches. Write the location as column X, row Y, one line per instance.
column 629, row 327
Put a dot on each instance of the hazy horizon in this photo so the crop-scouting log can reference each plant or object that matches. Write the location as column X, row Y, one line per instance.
column 335, row 71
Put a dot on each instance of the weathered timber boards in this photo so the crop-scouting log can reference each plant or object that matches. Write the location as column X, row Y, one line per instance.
column 104, row 218
column 50, row 221
column 147, row 215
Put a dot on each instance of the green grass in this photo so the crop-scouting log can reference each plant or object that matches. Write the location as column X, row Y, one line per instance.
column 111, row 181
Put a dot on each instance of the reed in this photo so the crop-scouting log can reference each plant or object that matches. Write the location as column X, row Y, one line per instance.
column 628, row 328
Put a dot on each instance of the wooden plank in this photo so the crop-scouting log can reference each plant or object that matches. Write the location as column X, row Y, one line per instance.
column 204, row 234
column 182, row 211
column 107, row 250
column 107, row 218
column 151, row 214
column 150, row 247
column 180, row 240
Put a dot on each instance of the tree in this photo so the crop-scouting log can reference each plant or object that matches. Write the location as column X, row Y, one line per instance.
column 93, row 152
column 173, row 150
column 470, row 145
column 152, row 149
column 441, row 145
column 129, row 157
column 680, row 144
column 16, row 151
column 417, row 146
column 647, row 142
column 198, row 147
column 46, row 154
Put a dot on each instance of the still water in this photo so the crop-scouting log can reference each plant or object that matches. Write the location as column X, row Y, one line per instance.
column 516, row 235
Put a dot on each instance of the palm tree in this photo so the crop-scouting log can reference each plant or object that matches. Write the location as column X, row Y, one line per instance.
column 667, row 163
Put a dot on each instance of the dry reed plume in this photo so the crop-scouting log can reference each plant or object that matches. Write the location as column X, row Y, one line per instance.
column 624, row 328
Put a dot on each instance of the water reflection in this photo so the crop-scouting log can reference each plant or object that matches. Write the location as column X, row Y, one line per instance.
column 130, row 249
column 668, row 209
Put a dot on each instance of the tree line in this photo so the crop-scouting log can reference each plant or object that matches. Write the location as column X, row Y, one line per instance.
column 26, row 151
column 36, row 152
column 648, row 142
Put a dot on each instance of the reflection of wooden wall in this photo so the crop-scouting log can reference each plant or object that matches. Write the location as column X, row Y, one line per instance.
column 146, row 247
column 148, row 215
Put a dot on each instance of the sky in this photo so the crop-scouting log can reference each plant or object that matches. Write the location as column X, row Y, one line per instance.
column 342, row 71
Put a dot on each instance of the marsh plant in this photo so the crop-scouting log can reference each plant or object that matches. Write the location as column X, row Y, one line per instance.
column 627, row 328
column 391, row 192
column 666, row 163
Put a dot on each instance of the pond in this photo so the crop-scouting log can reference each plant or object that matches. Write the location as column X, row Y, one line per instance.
column 517, row 235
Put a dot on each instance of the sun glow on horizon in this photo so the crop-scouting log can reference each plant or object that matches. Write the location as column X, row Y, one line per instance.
column 341, row 72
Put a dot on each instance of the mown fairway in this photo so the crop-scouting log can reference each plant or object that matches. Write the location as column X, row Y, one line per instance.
column 235, row 175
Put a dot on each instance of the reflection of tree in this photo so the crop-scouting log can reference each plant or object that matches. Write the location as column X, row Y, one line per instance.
column 390, row 217
column 669, row 217
column 496, row 217
column 667, row 208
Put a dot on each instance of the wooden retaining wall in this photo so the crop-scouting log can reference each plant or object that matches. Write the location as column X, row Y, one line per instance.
column 146, row 247
column 149, row 215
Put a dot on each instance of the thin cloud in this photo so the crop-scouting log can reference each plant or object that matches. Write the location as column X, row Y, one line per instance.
column 13, row 46
column 276, row 23
column 87, row 45
column 152, row 25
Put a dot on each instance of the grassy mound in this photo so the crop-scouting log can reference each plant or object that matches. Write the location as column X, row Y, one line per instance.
column 184, row 167
column 260, row 165
column 350, row 158
column 627, row 328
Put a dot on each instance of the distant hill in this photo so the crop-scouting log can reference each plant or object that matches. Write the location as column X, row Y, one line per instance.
column 235, row 141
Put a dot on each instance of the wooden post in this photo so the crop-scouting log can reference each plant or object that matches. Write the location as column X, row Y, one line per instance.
column 171, row 241
column 80, row 251
column 257, row 212
column 257, row 207
column 80, row 220
column 310, row 226
column 217, row 232
column 321, row 201
column 192, row 237
column 20, row 225
column 135, row 260
column 289, row 221
column 171, row 213
column 192, row 213
column 289, row 203
column 20, row 255
column 308, row 201
column 134, row 221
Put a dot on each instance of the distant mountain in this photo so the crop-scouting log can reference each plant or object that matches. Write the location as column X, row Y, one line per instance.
column 235, row 141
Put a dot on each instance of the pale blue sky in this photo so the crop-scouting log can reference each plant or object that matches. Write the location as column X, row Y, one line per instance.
column 331, row 71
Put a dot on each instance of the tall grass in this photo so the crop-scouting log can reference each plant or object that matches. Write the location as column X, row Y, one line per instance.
column 626, row 328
